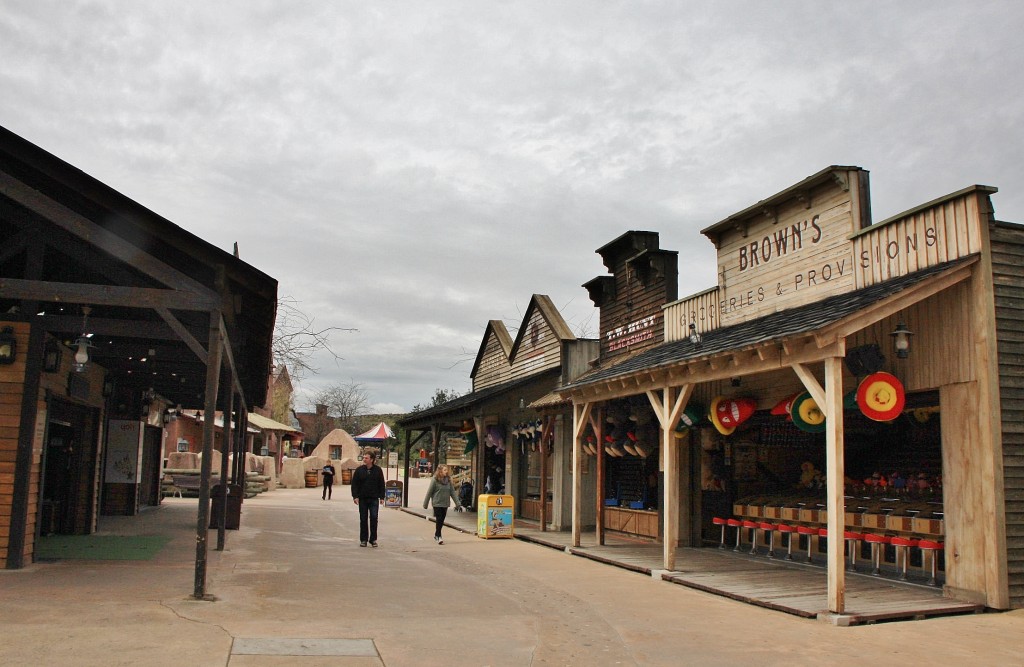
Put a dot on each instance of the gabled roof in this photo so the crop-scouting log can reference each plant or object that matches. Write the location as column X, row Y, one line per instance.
column 543, row 304
column 475, row 399
column 774, row 328
column 497, row 329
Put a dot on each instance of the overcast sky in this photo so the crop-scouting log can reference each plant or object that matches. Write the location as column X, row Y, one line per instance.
column 413, row 170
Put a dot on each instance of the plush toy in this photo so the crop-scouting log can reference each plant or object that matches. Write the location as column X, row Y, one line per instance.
column 809, row 475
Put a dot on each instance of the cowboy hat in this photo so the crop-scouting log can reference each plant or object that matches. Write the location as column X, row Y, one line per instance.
column 881, row 396
column 807, row 416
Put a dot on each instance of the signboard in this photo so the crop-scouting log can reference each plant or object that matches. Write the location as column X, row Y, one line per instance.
column 456, row 455
column 392, row 459
column 124, row 448
column 393, row 493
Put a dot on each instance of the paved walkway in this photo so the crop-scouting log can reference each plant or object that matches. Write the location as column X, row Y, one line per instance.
column 293, row 587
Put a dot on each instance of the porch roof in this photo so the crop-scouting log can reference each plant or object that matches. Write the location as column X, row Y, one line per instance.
column 823, row 321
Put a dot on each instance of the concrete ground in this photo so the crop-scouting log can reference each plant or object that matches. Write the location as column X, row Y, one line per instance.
column 293, row 587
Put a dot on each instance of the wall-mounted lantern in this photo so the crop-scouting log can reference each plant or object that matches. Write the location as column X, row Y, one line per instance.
column 901, row 340
column 8, row 345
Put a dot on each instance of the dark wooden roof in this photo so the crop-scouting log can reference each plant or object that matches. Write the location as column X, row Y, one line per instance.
column 72, row 241
column 776, row 327
column 464, row 407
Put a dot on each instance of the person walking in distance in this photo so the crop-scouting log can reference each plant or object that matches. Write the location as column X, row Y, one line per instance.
column 440, row 493
column 368, row 493
column 328, row 473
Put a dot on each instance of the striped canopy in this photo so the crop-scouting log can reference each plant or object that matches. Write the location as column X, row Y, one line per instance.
column 378, row 432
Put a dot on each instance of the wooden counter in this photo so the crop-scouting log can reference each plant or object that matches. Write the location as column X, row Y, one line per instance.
column 904, row 517
column 643, row 523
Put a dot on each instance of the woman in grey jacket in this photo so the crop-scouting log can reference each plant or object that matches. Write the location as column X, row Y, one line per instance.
column 440, row 493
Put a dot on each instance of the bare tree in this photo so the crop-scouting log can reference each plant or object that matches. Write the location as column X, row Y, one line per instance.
column 343, row 401
column 297, row 338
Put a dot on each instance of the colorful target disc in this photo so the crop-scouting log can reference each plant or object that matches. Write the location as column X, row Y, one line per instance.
column 881, row 397
column 806, row 414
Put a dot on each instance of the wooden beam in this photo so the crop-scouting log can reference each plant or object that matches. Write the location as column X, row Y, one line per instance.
column 105, row 295
column 95, row 235
column 811, row 385
column 183, row 333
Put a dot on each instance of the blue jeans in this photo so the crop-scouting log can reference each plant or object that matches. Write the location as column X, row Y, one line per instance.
column 368, row 508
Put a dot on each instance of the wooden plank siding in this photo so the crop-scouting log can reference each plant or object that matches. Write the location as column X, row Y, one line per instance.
column 634, row 320
column 700, row 308
column 11, row 386
column 933, row 233
column 493, row 366
column 1008, row 277
column 538, row 347
column 794, row 249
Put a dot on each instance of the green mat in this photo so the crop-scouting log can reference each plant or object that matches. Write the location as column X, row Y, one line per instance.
column 99, row 547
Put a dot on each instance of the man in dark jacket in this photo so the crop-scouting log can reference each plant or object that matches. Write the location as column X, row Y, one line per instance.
column 368, row 493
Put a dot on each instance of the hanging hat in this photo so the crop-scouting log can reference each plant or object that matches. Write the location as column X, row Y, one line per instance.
column 629, row 443
column 471, row 441
column 807, row 416
column 850, row 400
column 691, row 416
column 881, row 396
column 734, row 411
column 713, row 416
column 785, row 406
column 728, row 413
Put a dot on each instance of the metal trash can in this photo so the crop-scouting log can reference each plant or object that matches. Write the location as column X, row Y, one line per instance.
column 234, row 505
column 494, row 515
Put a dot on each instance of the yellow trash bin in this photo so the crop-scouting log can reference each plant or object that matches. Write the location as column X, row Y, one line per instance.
column 494, row 515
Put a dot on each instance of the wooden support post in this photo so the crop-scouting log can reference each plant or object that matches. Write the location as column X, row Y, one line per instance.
column 547, row 425
column 203, row 518
column 597, row 424
column 836, row 474
column 580, row 416
column 667, row 408
column 222, row 518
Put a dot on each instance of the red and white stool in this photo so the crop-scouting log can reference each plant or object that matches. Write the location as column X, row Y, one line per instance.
column 723, row 522
column 877, row 543
column 738, row 525
column 788, row 530
column 809, row 532
column 754, row 526
column 934, row 548
column 769, row 530
column 904, row 545
column 853, row 541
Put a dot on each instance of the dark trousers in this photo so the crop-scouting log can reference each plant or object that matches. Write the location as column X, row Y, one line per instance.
column 368, row 519
column 328, row 487
column 439, row 514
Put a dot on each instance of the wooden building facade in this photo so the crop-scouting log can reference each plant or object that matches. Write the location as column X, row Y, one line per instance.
column 115, row 313
column 811, row 298
column 515, row 450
